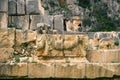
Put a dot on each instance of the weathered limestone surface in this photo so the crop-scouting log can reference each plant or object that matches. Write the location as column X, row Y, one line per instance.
column 26, row 36
column 58, row 23
column 3, row 5
column 6, row 38
column 18, row 70
column 75, row 45
column 94, row 70
column 3, row 20
column 34, row 7
column 69, row 70
column 104, row 56
column 6, row 44
column 41, row 70
column 20, row 7
column 5, row 54
column 19, row 37
column 12, row 10
column 60, row 70
column 21, row 22
column 30, row 36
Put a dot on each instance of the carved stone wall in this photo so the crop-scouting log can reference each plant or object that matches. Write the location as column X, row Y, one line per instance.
column 25, row 52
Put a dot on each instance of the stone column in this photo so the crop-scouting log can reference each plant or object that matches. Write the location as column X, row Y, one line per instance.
column 3, row 14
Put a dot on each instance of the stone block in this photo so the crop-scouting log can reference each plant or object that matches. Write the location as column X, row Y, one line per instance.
column 35, row 19
column 91, row 35
column 20, row 7
column 9, row 20
column 58, row 23
column 11, row 36
column 7, row 38
column 12, row 9
column 40, row 70
column 48, row 20
column 3, row 20
column 5, row 54
column 96, row 70
column 30, row 36
column 34, row 7
column 21, row 22
column 103, row 35
column 95, row 56
column 25, row 36
column 77, row 44
column 3, row 5
column 19, row 37
column 69, row 70
column 103, row 56
column 16, row 70
column 112, row 56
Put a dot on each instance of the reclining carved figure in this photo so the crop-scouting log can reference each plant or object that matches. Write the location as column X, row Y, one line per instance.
column 47, row 43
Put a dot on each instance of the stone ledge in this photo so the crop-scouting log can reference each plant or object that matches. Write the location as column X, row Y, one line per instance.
column 60, row 70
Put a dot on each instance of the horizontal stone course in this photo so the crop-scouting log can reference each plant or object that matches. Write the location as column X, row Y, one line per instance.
column 60, row 70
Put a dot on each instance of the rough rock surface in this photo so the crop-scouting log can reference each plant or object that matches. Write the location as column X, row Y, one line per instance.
column 5, row 54
column 6, row 38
